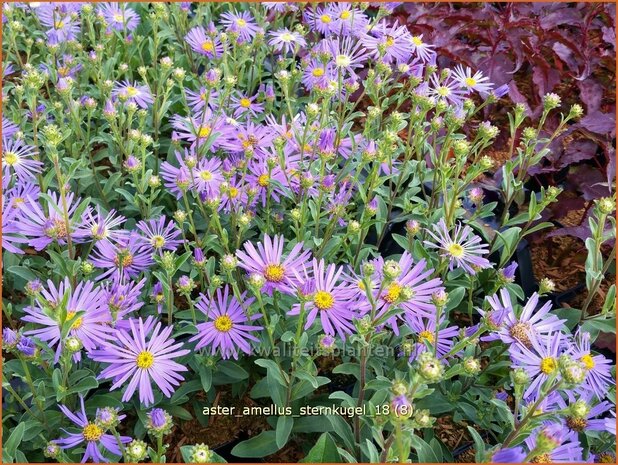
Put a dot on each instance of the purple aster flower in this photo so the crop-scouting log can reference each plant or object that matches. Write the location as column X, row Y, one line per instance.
column 280, row 7
column 118, row 16
column 390, row 43
column 157, row 296
column 228, row 327
column 347, row 54
column 590, row 420
column 10, row 227
column 248, row 137
column 424, row 330
column 463, row 249
column 509, row 455
column 286, row 40
column 158, row 236
column 42, row 229
column 201, row 128
column 507, row 273
column 498, row 92
column 610, row 423
column 99, row 227
column 521, row 326
column 242, row 22
column 233, row 196
column 243, row 104
column 567, row 448
column 448, row 90
column 122, row 298
column 17, row 158
column 7, row 70
column 91, row 433
column 331, row 299
column 470, row 81
column 177, row 180
column 203, row 43
column 142, row 354
column 133, row 93
column 317, row 73
column 58, row 18
column 347, row 20
column 598, row 368
column 198, row 100
column 264, row 176
column 320, row 19
column 8, row 129
column 128, row 255
column 207, row 175
column 268, row 261
column 27, row 346
column 540, row 361
column 91, row 327
column 422, row 50
column 10, row 338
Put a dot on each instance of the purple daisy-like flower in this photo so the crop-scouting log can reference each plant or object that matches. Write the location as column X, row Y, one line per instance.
column 127, row 255
column 91, row 433
column 122, row 298
column 347, row 54
column 10, row 227
column 286, row 40
column 177, row 180
column 320, row 19
column 598, row 368
column 91, row 327
column 58, row 18
column 470, row 82
column 99, row 227
column 347, row 19
column 158, row 236
column 248, row 137
column 228, row 327
column 521, row 326
column 201, row 128
column 540, row 361
column 142, row 354
column 132, row 92
column 198, row 100
column 42, row 228
column 17, row 158
column 463, row 249
column 330, row 300
column 267, row 260
column 9, row 129
column 118, row 16
column 448, row 90
column 509, row 455
column 590, row 421
column 424, row 330
column 422, row 50
column 242, row 22
column 567, row 448
column 244, row 104
column 391, row 43
column 203, row 43
column 317, row 73
column 265, row 174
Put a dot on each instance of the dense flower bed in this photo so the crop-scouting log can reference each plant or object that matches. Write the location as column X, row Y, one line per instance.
column 275, row 211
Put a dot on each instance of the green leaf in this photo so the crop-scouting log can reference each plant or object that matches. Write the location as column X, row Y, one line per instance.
column 90, row 382
column 259, row 446
column 571, row 315
column 284, row 427
column 479, row 445
column 10, row 446
column 233, row 370
column 424, row 451
column 324, row 451
column 186, row 388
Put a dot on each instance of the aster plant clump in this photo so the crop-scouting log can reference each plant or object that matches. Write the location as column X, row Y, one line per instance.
column 289, row 206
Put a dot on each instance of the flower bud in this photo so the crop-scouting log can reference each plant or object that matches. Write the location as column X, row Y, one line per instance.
column 471, row 366
column 546, row 285
column 200, row 453
column 229, row 262
column 51, row 450
column 430, row 368
column 136, row 450
column 551, row 101
column 73, row 344
column 257, row 281
column 391, row 269
column 520, row 377
column 159, row 422
column 107, row 417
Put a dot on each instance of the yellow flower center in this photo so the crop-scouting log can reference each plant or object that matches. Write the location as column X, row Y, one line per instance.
column 345, row 14
column 274, row 273
column 10, row 158
column 455, row 250
column 361, row 285
column 204, row 131
column 323, row 300
column 390, row 41
column 343, row 60
column 118, row 18
column 393, row 292
column 241, row 22
column 325, row 19
column 208, row 46
column 58, row 24
column 470, row 82
column 127, row 258
column 317, row 72
column 548, row 365
column 576, row 424
column 63, row 71
column 426, row 336
column 588, row 361
column 77, row 323
column 263, row 180
column 416, row 40
column 443, row 91
column 203, row 96
column 245, row 102
column 542, row 458
column 157, row 241
column 233, row 192
column 145, row 360
column 223, row 323
column 131, row 91
column 92, row 432
column 287, row 37
column 206, row 175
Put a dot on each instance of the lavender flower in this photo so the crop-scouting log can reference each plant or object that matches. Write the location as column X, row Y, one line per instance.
column 132, row 92
column 118, row 16
column 17, row 158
